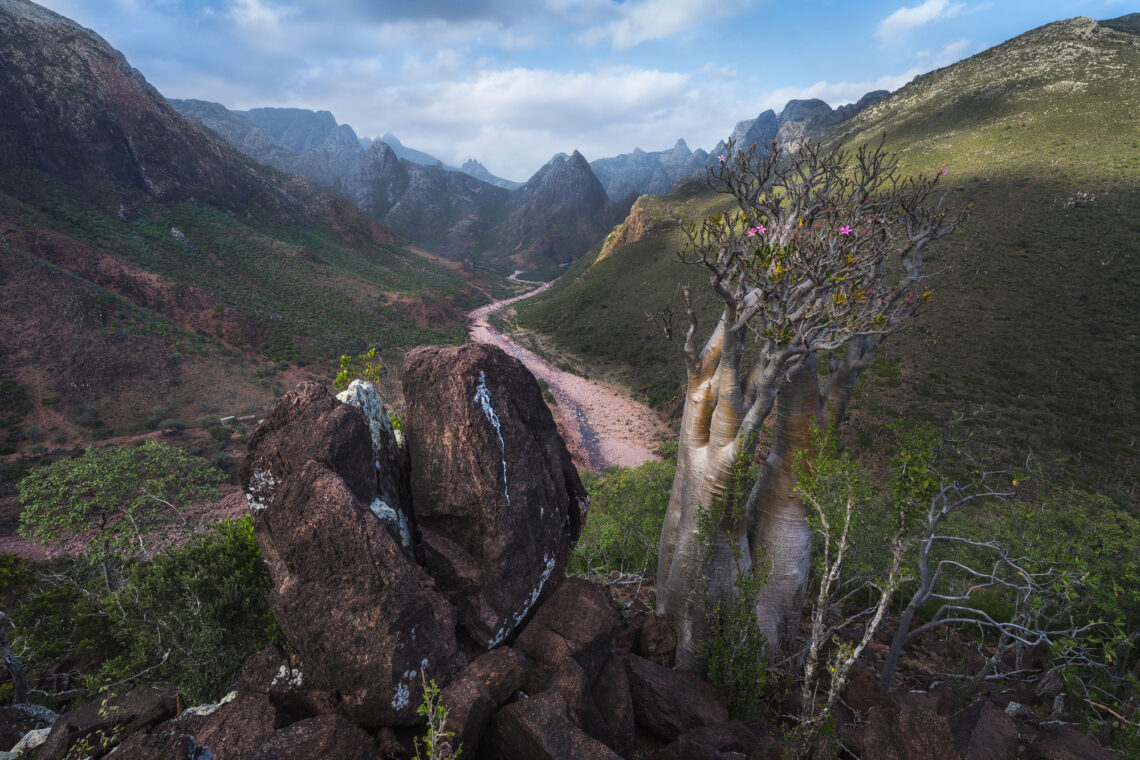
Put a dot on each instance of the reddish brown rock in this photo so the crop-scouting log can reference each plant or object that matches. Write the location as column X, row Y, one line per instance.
column 615, row 704
column 163, row 744
column 579, row 620
column 984, row 732
column 502, row 670
column 329, row 737
column 540, row 728
column 907, row 733
column 669, row 703
column 723, row 741
column 496, row 498
column 236, row 729
column 309, row 425
column 1065, row 743
column 367, row 623
column 657, row 642
column 472, row 698
column 105, row 722
column 469, row 710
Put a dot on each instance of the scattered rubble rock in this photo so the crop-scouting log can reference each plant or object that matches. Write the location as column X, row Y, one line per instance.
column 723, row 741
column 907, row 733
column 657, row 642
column 166, row 744
column 18, row 719
column 497, row 500
column 104, row 723
column 1065, row 743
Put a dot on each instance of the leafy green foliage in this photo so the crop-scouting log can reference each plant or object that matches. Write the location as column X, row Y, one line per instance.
column 435, row 744
column 190, row 617
column 1096, row 540
column 200, row 610
column 123, row 492
column 363, row 366
column 623, row 525
column 736, row 653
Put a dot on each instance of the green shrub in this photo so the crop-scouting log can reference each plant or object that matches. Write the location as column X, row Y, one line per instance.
column 623, row 525
column 203, row 608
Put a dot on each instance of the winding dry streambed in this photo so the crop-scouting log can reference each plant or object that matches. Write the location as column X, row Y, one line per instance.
column 600, row 423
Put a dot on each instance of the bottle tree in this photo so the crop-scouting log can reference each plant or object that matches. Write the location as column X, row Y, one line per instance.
column 822, row 259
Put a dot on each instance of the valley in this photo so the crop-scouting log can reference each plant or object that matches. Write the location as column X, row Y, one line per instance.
column 531, row 507
column 601, row 424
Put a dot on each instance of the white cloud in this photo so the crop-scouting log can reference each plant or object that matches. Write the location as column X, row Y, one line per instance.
column 639, row 22
column 906, row 19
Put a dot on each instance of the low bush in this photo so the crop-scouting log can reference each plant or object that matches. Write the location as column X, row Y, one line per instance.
column 623, row 525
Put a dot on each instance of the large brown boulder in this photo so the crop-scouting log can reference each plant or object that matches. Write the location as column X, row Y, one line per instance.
column 1065, row 743
column 907, row 733
column 486, row 684
column 497, row 500
column 368, row 623
column 669, row 703
column 983, row 731
column 309, row 425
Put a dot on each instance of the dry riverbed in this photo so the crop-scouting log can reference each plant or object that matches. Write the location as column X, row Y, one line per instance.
column 601, row 424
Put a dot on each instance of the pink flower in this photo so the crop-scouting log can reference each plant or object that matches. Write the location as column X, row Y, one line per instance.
column 757, row 230
column 944, row 172
column 845, row 230
column 721, row 157
column 751, row 232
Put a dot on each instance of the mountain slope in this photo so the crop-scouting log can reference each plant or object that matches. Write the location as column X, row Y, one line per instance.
column 145, row 261
column 1035, row 323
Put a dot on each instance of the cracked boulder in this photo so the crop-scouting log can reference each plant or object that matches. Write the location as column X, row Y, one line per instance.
column 366, row 621
column 497, row 500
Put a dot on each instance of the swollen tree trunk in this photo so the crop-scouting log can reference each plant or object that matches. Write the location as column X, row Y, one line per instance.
column 779, row 535
column 696, row 568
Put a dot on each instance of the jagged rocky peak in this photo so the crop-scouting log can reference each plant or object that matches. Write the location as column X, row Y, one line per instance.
column 801, row 110
column 478, row 171
column 760, row 130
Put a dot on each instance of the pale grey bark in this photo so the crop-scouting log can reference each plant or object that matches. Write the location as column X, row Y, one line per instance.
column 802, row 269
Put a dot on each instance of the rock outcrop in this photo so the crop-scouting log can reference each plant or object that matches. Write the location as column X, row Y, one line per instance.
column 497, row 500
column 367, row 623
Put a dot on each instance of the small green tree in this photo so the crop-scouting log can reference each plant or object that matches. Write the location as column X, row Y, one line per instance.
column 365, row 366
column 122, row 492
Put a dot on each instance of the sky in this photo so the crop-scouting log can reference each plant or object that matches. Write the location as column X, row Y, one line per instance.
column 510, row 83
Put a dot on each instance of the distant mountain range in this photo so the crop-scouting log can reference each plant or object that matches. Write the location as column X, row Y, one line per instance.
column 469, row 213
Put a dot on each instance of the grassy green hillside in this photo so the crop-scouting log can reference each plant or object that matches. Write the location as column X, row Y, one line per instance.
column 1036, row 323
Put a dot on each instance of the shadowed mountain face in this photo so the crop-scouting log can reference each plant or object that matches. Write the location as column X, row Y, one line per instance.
column 448, row 212
column 76, row 110
column 144, row 261
column 470, row 214
column 551, row 220
column 294, row 140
